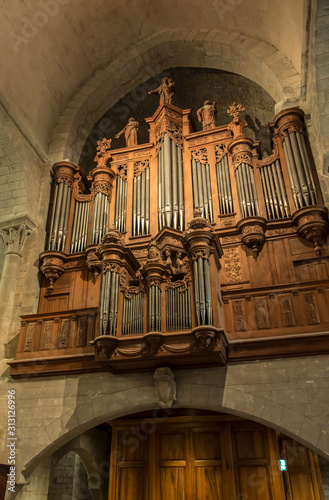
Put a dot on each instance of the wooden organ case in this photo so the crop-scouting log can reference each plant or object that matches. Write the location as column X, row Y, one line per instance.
column 186, row 251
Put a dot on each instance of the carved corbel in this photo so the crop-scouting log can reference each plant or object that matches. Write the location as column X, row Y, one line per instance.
column 253, row 233
column 93, row 260
column 312, row 225
column 52, row 266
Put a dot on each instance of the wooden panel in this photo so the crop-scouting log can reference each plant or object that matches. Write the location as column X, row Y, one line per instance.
column 131, row 485
column 250, row 444
column 206, row 445
column 172, row 446
column 302, row 487
column 208, row 483
column 130, row 447
column 172, row 483
column 254, row 483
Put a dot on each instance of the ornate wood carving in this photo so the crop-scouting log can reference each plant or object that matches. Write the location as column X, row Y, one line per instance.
column 64, row 334
column 262, row 318
column 30, row 331
column 140, row 166
column 312, row 310
column 46, row 335
column 287, row 312
column 82, row 331
column 239, row 315
column 232, row 265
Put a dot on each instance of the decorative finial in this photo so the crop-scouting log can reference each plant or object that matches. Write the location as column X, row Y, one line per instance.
column 235, row 109
column 103, row 151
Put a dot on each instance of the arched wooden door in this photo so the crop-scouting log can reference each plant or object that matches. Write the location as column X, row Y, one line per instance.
column 205, row 458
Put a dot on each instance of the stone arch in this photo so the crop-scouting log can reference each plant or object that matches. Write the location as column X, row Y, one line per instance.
column 255, row 59
column 286, row 403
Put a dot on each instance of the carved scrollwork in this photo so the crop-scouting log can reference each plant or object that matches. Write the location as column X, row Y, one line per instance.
column 204, row 253
column 111, row 267
column 244, row 157
column 113, row 236
column 200, row 155
column 153, row 282
column 174, row 131
column 122, row 171
column 220, row 151
column 140, row 166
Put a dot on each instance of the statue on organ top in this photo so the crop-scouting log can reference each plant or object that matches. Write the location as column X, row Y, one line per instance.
column 130, row 131
column 166, row 90
column 207, row 115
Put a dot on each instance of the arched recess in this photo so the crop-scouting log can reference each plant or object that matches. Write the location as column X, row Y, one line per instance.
column 277, row 394
column 255, row 59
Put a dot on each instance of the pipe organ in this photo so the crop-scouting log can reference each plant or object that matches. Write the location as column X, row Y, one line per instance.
column 173, row 251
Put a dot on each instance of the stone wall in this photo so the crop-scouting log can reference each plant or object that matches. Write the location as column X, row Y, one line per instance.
column 324, row 467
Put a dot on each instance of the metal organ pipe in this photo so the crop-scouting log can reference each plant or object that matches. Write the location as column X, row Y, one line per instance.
column 246, row 190
column 202, row 291
column 154, row 309
column 141, row 203
column 170, row 182
column 202, row 197
column 120, row 204
column 59, row 217
column 177, row 309
column 109, row 302
column 80, row 226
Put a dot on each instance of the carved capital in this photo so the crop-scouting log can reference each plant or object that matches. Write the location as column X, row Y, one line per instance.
column 289, row 120
column 14, row 233
column 65, row 172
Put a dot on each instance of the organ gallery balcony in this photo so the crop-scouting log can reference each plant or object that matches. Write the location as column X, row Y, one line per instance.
column 189, row 250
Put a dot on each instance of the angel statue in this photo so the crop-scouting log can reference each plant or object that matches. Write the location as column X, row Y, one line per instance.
column 166, row 90
column 207, row 115
column 130, row 131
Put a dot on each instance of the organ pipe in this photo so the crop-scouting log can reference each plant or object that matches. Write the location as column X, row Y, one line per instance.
column 178, row 309
column 154, row 309
column 170, row 185
column 299, row 169
column 202, row 291
column 141, row 204
column 246, row 190
column 100, row 218
column 109, row 303
column 59, row 217
column 202, row 197
column 133, row 314
column 274, row 192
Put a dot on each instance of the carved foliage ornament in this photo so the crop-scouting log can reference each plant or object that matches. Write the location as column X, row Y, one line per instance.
column 14, row 238
column 235, row 109
column 103, row 149
column 220, row 151
column 232, row 265
column 122, row 171
column 203, row 253
column 140, row 166
column 174, row 131
column 200, row 155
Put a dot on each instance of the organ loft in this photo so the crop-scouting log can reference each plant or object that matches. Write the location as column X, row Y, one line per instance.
column 189, row 250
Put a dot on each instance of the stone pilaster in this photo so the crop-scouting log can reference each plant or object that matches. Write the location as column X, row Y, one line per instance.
column 14, row 233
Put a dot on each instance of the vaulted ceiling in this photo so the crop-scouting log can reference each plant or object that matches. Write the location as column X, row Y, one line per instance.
column 54, row 50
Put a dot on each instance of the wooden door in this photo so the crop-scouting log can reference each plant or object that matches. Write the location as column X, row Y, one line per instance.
column 207, row 458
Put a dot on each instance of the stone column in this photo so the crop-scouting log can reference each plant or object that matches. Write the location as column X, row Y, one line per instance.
column 14, row 233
